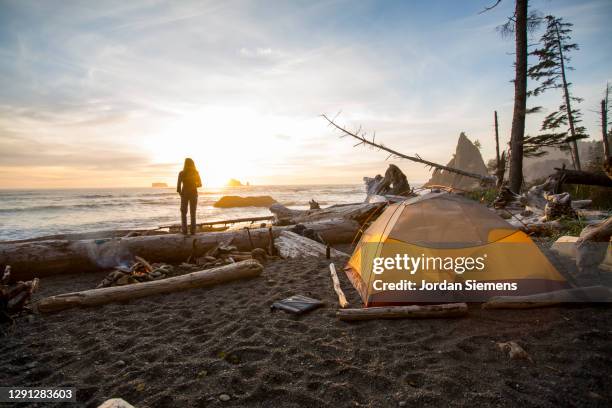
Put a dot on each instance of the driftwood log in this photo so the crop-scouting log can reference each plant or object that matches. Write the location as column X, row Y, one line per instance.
column 45, row 258
column 291, row 245
column 566, row 176
column 336, row 282
column 395, row 182
column 359, row 212
column 588, row 294
column 95, row 297
column 403, row 312
column 592, row 247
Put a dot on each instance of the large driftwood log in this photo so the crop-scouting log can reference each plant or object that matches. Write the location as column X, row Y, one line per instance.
column 291, row 245
column 101, row 234
column 95, row 297
column 394, row 183
column 566, row 176
column 45, row 258
column 402, row 312
column 577, row 295
column 592, row 247
column 358, row 212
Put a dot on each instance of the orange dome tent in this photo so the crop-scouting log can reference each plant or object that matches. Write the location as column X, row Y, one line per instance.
column 451, row 249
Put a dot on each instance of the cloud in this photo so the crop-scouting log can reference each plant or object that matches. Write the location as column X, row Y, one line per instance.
column 139, row 83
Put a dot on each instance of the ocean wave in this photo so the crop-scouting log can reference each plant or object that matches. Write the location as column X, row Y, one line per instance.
column 96, row 196
column 58, row 207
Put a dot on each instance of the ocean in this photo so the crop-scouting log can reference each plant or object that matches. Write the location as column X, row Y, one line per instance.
column 33, row 213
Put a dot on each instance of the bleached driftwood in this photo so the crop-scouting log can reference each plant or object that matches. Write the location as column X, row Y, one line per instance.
column 95, row 297
column 403, row 312
column 358, row 212
column 585, row 295
column 45, row 258
column 291, row 245
column 341, row 298
column 593, row 246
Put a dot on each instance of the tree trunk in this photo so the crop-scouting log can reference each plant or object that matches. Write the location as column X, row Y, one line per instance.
column 520, row 99
column 95, row 297
column 604, row 126
column 570, row 116
column 501, row 167
column 45, row 258
column 402, row 312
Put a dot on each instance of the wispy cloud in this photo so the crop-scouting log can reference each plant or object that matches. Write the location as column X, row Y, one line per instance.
column 137, row 85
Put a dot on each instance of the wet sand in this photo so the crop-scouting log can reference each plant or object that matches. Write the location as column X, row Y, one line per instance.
column 187, row 349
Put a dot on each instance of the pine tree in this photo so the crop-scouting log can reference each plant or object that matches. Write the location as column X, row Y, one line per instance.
column 561, row 128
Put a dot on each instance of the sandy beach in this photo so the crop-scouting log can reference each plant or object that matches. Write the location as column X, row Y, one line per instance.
column 189, row 348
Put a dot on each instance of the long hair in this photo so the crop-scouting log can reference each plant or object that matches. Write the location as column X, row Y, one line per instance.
column 189, row 166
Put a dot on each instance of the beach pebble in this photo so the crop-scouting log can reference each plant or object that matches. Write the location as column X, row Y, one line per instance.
column 224, row 397
column 120, row 363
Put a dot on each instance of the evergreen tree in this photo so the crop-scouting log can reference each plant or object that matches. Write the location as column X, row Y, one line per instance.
column 562, row 127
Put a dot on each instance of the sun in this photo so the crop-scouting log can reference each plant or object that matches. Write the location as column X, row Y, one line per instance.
column 221, row 146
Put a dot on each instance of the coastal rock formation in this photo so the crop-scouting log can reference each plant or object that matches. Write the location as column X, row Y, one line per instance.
column 234, row 183
column 467, row 157
column 237, row 201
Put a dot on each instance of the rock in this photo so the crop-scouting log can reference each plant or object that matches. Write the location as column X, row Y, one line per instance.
column 234, row 183
column 115, row 403
column 514, row 350
column 594, row 395
column 251, row 201
column 121, row 363
column 467, row 157
column 224, row 397
column 402, row 403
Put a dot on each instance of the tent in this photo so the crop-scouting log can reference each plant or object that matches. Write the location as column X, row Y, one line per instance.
column 441, row 247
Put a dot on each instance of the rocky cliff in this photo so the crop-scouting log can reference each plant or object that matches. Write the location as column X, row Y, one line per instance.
column 467, row 157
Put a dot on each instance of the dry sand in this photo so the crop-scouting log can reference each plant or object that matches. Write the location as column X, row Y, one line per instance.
column 187, row 349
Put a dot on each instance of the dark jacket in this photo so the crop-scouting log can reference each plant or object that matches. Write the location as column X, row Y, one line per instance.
column 188, row 183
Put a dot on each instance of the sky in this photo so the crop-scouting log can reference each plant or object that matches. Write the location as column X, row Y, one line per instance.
column 118, row 93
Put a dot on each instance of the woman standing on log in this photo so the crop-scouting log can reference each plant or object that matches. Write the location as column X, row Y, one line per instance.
column 187, row 186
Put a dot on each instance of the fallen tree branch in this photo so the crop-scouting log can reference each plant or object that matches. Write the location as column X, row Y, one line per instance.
column 399, row 312
column 95, row 297
column 341, row 298
column 365, row 141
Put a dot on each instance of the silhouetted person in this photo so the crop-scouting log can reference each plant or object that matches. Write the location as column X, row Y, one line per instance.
column 187, row 186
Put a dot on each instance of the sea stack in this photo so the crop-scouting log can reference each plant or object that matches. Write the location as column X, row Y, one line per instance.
column 467, row 157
